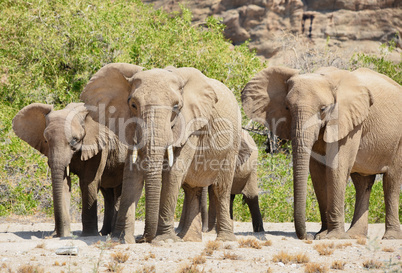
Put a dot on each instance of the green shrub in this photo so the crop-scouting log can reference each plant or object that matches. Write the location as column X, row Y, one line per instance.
column 50, row 49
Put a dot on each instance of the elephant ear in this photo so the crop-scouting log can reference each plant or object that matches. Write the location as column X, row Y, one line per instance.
column 30, row 123
column 351, row 108
column 247, row 146
column 264, row 96
column 107, row 92
column 199, row 98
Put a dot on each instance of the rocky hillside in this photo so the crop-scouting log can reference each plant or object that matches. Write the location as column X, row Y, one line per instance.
column 277, row 28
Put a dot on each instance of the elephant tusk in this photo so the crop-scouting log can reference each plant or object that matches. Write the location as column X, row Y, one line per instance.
column 135, row 154
column 68, row 170
column 170, row 155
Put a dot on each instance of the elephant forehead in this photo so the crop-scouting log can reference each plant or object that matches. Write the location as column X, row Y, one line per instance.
column 308, row 86
column 156, row 77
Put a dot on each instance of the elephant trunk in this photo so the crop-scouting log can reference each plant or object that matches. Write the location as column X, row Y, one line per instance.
column 302, row 142
column 61, row 201
column 157, row 141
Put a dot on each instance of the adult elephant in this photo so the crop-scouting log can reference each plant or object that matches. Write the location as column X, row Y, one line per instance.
column 179, row 117
column 245, row 182
column 73, row 141
column 340, row 123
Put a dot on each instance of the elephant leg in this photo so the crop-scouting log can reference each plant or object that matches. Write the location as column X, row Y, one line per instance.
column 319, row 180
column 108, row 196
column 116, row 204
column 340, row 158
column 391, row 186
column 211, row 210
column 363, row 185
column 204, row 209
column 172, row 180
column 232, row 198
column 192, row 227
column 222, row 188
column 183, row 215
column 254, row 208
column 133, row 182
column 250, row 196
column 89, row 215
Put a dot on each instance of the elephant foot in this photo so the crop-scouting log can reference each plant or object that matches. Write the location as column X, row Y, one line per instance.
column 191, row 236
column 258, row 228
column 123, row 237
column 226, row 236
column 105, row 231
column 167, row 238
column 322, row 234
column 392, row 234
column 89, row 233
column 355, row 233
column 337, row 234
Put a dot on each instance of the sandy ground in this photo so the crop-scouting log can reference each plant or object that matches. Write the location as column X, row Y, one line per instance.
column 24, row 244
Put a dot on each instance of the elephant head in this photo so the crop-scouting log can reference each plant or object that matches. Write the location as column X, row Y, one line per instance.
column 160, row 108
column 60, row 135
column 305, row 108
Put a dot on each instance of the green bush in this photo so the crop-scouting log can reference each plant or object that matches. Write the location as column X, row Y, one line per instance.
column 50, row 49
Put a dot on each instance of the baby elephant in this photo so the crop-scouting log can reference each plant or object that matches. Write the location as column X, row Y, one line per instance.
column 245, row 182
column 72, row 141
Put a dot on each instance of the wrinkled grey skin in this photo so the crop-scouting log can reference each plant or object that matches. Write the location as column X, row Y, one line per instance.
column 74, row 143
column 341, row 123
column 245, row 182
column 175, row 109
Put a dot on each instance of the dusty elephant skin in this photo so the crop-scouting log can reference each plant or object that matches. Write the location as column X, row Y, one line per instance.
column 72, row 141
column 341, row 123
column 245, row 182
column 181, row 126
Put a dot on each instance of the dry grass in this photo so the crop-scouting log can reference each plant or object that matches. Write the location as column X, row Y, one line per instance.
column 343, row 245
column 285, row 258
column 308, row 241
column 269, row 270
column 200, row 259
column 120, row 257
column 41, row 245
column 56, row 263
column 361, row 241
column 30, row 269
column 230, row 256
column 114, row 267
column 189, row 268
column 371, row 264
column 301, row 258
column 228, row 246
column 109, row 244
column 325, row 248
column 249, row 243
column 150, row 255
column 315, row 268
column 211, row 246
column 147, row 269
column 267, row 243
column 339, row 265
column 388, row 249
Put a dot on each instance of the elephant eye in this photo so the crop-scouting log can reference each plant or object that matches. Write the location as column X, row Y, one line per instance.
column 175, row 112
column 73, row 141
column 133, row 105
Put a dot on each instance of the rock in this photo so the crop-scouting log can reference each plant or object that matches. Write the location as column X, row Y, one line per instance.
column 265, row 22
column 67, row 250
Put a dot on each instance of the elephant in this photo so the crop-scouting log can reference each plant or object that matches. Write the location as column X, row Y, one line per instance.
column 341, row 123
column 73, row 141
column 245, row 182
column 180, row 126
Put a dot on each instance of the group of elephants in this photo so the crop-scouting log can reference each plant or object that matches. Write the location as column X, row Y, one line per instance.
column 174, row 127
